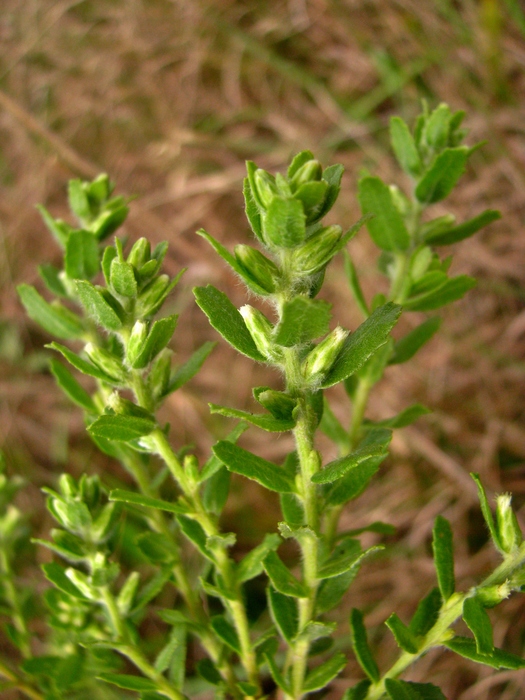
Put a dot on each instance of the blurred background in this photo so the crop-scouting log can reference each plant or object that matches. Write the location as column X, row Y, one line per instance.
column 170, row 98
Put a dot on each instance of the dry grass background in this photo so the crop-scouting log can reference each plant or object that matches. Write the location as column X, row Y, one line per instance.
column 170, row 98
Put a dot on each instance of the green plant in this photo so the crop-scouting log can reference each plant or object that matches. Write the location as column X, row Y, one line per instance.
column 96, row 604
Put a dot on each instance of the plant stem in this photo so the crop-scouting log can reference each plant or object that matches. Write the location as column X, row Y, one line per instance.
column 11, row 595
column 222, row 561
column 128, row 648
column 309, row 464
column 449, row 614
column 19, row 684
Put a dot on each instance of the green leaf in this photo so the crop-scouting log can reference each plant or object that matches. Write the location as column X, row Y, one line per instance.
column 406, row 690
column 122, row 278
column 404, row 147
column 358, row 692
column 405, row 348
column 312, row 195
column 252, row 210
column 284, row 224
column 157, row 548
column 81, row 257
column 345, row 555
column 426, row 614
column 321, row 676
column 56, row 574
column 173, row 656
column 298, row 161
column 127, row 682
column 363, row 343
column 487, row 513
column 226, row 320
column 232, row 261
column 302, row 320
column 73, row 515
column 214, row 463
column 443, row 556
column 276, row 674
column 355, row 287
column 452, row 290
column 137, row 499
column 354, row 483
column 261, row 420
column 243, row 462
column 332, row 175
column 195, row 533
column 71, row 387
column 190, row 368
column 283, row 610
column 78, row 200
column 404, row 637
column 159, row 336
column 54, row 318
column 51, row 278
column 226, row 632
column 216, row 490
column 97, row 306
column 361, row 648
column 440, row 179
column 59, row 229
column 207, row 670
column 479, row 624
column 317, row 630
column 333, row 589
column 497, row 659
column 375, row 447
column 109, row 221
column 282, row 578
column 404, row 418
column 387, row 228
column 122, row 428
column 252, row 564
column 292, row 510
column 464, row 230
column 82, row 365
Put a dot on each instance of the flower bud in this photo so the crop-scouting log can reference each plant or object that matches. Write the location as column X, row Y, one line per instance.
column 104, row 524
column 80, row 580
column 509, row 531
column 140, row 253
column 127, row 593
column 420, row 263
column 260, row 330
column 310, row 171
column 67, row 486
column 136, row 342
column 152, row 296
column 125, row 407
column 279, row 403
column 262, row 270
column 318, row 250
column 89, row 489
column 265, row 184
column 159, row 375
column 107, row 362
column 493, row 595
column 321, row 359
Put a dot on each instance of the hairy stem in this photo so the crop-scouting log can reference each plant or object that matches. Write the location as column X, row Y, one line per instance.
column 450, row 612
column 128, row 648
column 222, row 561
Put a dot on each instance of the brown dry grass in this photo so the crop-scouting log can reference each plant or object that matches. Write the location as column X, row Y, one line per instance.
column 170, row 97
